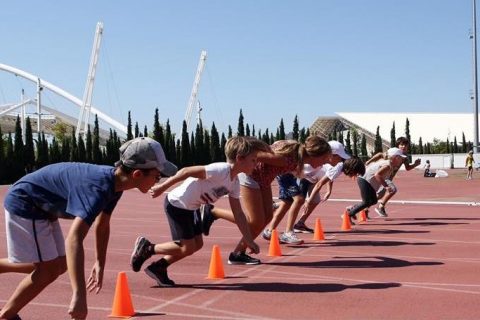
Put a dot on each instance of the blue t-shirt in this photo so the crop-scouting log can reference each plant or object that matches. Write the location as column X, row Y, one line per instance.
column 64, row 190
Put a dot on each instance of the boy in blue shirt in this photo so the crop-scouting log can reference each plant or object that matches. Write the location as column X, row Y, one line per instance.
column 85, row 193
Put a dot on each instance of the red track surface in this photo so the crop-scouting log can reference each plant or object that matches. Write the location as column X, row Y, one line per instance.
column 422, row 262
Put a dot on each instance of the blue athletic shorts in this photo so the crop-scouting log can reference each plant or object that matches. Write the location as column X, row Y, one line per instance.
column 288, row 187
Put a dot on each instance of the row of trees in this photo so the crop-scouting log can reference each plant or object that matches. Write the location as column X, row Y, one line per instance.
column 18, row 157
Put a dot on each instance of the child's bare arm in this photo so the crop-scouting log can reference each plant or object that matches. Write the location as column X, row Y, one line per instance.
column 182, row 174
column 410, row 166
column 242, row 224
column 381, row 173
column 375, row 158
column 102, row 235
column 318, row 186
column 271, row 158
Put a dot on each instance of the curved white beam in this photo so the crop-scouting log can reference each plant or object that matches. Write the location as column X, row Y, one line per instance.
column 114, row 123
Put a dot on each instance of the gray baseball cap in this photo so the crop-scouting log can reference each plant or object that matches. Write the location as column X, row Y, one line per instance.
column 145, row 153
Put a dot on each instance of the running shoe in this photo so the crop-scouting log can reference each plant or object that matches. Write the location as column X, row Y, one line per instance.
column 290, row 238
column 267, row 234
column 242, row 258
column 159, row 273
column 380, row 210
column 300, row 227
column 141, row 253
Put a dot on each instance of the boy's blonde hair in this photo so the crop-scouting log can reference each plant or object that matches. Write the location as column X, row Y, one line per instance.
column 314, row 147
column 243, row 146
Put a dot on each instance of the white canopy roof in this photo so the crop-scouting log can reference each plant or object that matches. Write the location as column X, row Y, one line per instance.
column 428, row 126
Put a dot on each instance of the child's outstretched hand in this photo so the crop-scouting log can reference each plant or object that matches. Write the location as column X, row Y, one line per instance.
column 156, row 190
column 254, row 248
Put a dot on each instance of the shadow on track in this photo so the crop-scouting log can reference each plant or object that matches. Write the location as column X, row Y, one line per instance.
column 362, row 262
column 292, row 287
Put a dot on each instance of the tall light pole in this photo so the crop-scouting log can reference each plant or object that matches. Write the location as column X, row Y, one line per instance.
column 475, row 84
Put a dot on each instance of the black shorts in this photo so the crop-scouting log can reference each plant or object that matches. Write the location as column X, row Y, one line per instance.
column 184, row 224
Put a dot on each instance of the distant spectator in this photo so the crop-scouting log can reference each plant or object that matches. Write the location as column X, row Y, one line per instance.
column 428, row 173
column 469, row 164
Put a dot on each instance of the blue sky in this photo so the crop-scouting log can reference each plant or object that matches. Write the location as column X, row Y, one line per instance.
column 272, row 59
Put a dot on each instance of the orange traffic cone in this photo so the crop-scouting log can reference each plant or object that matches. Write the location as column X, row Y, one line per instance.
column 318, row 231
column 363, row 217
column 346, row 225
column 216, row 266
column 274, row 248
column 122, row 301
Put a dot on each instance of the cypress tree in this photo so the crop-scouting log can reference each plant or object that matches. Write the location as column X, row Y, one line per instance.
column 247, row 130
column 65, row 151
column 420, row 146
column 74, row 155
column 89, row 146
column 464, row 144
column 378, row 141
column 158, row 134
column 55, row 155
column 355, row 141
column 82, row 154
column 185, row 149
column 215, row 149
column 348, row 146
column 455, row 145
column 2, row 157
column 129, row 127
column 230, row 134
column 295, row 130
column 241, row 128
column 137, row 130
column 97, row 153
column 206, row 147
column 302, row 135
column 199, row 147
column 18, row 164
column 407, row 130
column 281, row 130
column 393, row 139
column 169, row 143
column 29, row 148
column 223, row 141
column 193, row 151
column 253, row 130
column 9, row 176
column 145, row 131
column 364, row 152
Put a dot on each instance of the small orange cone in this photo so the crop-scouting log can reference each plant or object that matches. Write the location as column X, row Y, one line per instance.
column 318, row 231
column 363, row 217
column 122, row 301
column 274, row 248
column 216, row 266
column 346, row 225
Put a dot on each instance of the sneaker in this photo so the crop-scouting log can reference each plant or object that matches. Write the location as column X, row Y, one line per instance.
column 207, row 218
column 290, row 238
column 140, row 253
column 242, row 258
column 159, row 273
column 300, row 227
column 380, row 210
column 267, row 234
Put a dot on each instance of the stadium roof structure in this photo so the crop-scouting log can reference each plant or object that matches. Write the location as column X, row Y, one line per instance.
column 428, row 126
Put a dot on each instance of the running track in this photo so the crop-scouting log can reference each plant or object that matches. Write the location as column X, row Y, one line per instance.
column 422, row 262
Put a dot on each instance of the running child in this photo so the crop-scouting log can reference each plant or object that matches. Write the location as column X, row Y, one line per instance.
column 85, row 193
column 469, row 164
column 202, row 185
column 256, row 190
column 403, row 144
column 376, row 176
column 292, row 194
